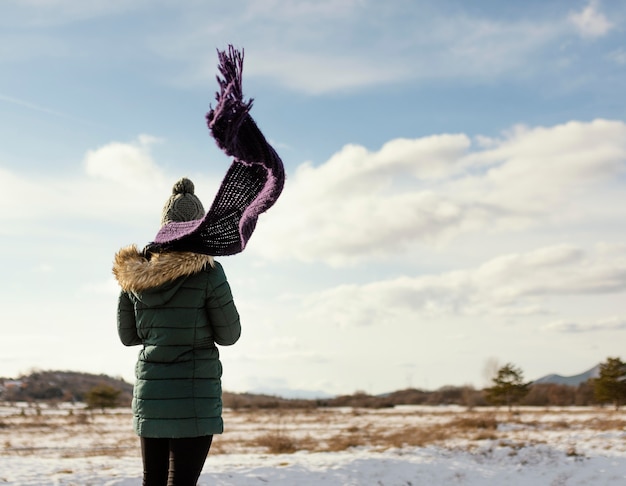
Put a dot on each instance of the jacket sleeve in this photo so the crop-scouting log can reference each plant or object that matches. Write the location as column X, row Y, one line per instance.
column 221, row 310
column 126, row 325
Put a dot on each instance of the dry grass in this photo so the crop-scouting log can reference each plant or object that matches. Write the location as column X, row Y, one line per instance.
column 605, row 423
column 71, row 433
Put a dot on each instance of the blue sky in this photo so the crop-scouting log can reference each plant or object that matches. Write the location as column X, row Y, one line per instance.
column 455, row 193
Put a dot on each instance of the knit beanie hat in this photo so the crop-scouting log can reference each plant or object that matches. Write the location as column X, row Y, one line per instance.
column 183, row 204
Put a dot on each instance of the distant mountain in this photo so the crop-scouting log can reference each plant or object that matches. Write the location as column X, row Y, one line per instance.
column 570, row 380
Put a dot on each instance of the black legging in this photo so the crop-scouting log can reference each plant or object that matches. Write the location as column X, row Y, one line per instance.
column 173, row 462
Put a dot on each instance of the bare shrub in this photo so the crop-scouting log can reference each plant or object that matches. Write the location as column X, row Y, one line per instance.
column 601, row 423
column 277, row 442
column 485, row 436
column 559, row 424
column 416, row 436
column 80, row 418
column 342, row 442
column 482, row 421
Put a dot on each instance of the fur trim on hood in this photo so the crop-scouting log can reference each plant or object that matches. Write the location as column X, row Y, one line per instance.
column 135, row 273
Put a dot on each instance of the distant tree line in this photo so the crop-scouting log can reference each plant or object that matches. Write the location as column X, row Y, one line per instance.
column 541, row 394
column 508, row 389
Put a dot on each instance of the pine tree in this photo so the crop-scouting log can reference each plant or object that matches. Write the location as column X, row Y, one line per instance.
column 508, row 386
column 610, row 386
column 102, row 396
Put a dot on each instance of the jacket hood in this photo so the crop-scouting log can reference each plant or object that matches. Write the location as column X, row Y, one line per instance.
column 135, row 273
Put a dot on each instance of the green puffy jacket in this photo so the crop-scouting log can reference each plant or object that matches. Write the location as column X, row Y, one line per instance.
column 178, row 305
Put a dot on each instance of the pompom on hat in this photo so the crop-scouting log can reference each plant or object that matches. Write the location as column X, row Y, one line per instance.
column 183, row 205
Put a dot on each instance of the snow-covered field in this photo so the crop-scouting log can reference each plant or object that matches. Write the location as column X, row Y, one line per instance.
column 398, row 446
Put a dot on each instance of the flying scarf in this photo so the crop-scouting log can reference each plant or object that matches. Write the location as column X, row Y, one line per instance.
column 252, row 184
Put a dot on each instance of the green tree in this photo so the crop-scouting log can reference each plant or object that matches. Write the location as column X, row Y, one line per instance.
column 102, row 396
column 610, row 386
column 508, row 386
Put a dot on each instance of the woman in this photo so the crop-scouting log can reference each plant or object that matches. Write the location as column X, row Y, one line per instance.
column 175, row 299
column 178, row 305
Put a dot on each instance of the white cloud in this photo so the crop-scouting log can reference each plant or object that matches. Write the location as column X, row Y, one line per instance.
column 516, row 284
column 58, row 12
column 129, row 164
column 360, row 204
column 590, row 22
column 324, row 46
column 484, row 48
column 13, row 187
column 534, row 171
column 610, row 324
column 117, row 182
column 44, row 268
column 335, row 46
column 304, row 9
column 320, row 72
column 618, row 56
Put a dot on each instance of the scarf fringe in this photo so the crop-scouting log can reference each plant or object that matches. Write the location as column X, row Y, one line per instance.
column 226, row 119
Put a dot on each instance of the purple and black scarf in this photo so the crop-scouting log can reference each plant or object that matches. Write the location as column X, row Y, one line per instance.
column 251, row 186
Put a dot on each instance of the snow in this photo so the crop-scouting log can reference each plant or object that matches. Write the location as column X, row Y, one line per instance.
column 569, row 446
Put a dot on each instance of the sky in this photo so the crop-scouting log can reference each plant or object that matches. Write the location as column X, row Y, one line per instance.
column 455, row 195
